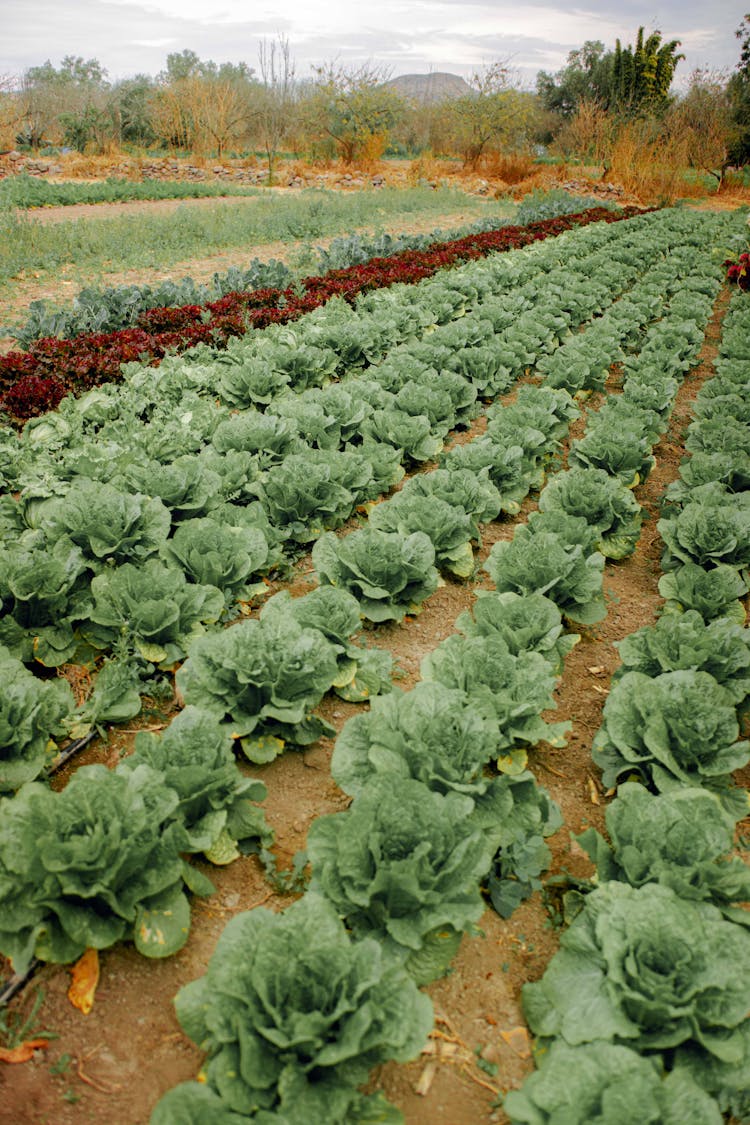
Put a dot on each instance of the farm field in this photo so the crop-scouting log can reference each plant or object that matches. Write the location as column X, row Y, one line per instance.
column 496, row 381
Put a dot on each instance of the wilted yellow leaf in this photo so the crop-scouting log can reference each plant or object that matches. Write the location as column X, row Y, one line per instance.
column 518, row 1040
column 23, row 1052
column 85, row 979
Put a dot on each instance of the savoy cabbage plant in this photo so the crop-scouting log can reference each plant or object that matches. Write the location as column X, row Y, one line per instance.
column 294, row 1015
column 262, row 679
column 362, row 672
column 526, row 622
column 603, row 1083
column 218, row 805
column 714, row 593
column 153, row 609
column 644, row 967
column 44, row 594
column 32, row 717
column 542, row 562
column 605, row 503
column 514, row 687
column 389, row 573
column 448, row 527
column 214, row 553
column 679, row 728
column 686, row 642
column 680, row 839
column 403, row 864
column 91, row 865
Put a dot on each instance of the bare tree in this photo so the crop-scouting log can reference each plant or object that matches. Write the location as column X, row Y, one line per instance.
column 275, row 101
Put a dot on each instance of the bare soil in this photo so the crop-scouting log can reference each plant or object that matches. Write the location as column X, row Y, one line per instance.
column 112, row 1065
column 62, row 287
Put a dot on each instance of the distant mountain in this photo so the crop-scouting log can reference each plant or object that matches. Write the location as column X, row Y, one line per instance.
column 434, row 87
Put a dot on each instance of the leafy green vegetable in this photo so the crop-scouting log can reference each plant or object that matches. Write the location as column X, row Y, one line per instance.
column 262, row 678
column 433, row 734
column 621, row 452
column 712, row 593
column 687, row 642
column 526, row 622
column 600, row 1083
column 680, row 839
column 294, row 1015
column 31, row 717
column 45, row 594
column 186, row 485
column 361, row 672
column 390, row 574
column 402, row 864
column 604, row 502
column 216, row 806
column 707, row 534
column 154, row 608
column 213, row 553
column 98, row 862
column 473, row 492
column 645, row 967
column 109, row 525
column 448, row 528
column 542, row 563
column 677, row 728
column 515, row 687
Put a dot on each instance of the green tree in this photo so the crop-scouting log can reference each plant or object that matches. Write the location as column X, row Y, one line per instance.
column 492, row 114
column 739, row 94
column 586, row 77
column 353, row 110
column 67, row 103
column 642, row 75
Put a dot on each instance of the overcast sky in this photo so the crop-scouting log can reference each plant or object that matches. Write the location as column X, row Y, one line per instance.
column 404, row 36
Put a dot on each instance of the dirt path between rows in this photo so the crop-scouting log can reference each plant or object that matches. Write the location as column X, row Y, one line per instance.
column 60, row 289
column 112, row 1065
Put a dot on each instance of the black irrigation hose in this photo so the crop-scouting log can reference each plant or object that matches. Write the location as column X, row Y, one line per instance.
column 73, row 748
column 18, row 982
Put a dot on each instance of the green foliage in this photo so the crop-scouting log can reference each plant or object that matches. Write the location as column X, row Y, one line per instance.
column 679, row 728
column 679, row 839
column 515, row 687
column 525, row 622
column 714, row 593
column 403, row 864
column 604, row 501
column 542, row 562
column 646, row 968
column 687, row 642
column 30, row 191
column 217, row 804
column 390, row 574
column 32, row 713
column 293, row 1025
column 91, row 865
column 262, row 678
column 152, row 608
column 602, row 1083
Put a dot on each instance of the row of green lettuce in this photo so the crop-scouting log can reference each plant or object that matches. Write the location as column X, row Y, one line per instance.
column 416, row 761
column 646, row 1003
column 109, row 308
column 93, row 881
column 150, row 512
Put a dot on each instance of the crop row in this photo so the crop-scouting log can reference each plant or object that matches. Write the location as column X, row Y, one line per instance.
column 107, row 308
column 412, row 759
column 36, row 380
column 256, row 476
column 343, row 665
column 647, row 999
